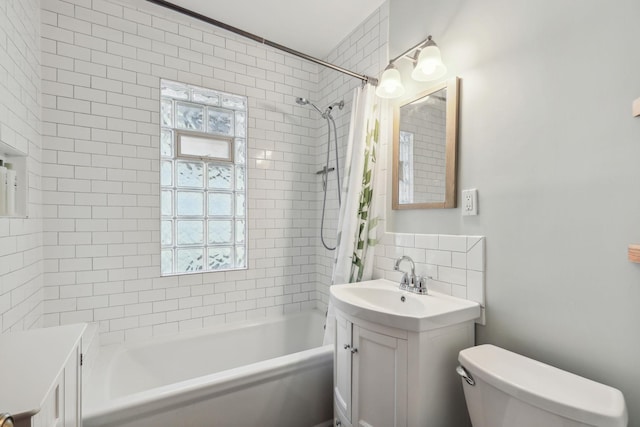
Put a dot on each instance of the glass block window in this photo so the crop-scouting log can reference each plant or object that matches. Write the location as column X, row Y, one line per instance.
column 203, row 180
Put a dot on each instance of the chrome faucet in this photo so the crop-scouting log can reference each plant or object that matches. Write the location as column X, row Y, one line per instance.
column 412, row 283
column 405, row 279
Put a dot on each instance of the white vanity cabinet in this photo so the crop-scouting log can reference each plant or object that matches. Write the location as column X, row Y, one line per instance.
column 41, row 376
column 388, row 377
column 370, row 376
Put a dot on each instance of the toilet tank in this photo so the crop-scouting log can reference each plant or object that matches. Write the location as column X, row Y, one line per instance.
column 514, row 391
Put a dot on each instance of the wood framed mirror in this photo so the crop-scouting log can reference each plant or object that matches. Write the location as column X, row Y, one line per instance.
column 425, row 139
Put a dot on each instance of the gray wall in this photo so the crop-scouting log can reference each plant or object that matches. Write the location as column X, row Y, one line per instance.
column 547, row 137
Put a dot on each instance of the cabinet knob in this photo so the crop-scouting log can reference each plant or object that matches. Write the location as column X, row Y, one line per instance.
column 347, row 346
column 354, row 350
column 338, row 423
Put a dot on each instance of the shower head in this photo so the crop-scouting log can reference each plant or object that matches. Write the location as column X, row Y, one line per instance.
column 305, row 101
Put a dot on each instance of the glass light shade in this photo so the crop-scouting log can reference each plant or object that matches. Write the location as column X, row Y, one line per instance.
column 390, row 85
column 429, row 65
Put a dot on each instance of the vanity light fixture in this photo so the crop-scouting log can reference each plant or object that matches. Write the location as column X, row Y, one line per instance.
column 390, row 85
column 427, row 66
column 428, row 63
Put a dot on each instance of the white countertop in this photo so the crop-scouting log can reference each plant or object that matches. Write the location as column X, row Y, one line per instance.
column 30, row 362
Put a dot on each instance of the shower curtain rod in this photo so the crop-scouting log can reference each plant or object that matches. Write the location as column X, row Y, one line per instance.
column 196, row 15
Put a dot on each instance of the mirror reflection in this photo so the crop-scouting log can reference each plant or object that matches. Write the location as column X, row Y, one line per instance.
column 424, row 149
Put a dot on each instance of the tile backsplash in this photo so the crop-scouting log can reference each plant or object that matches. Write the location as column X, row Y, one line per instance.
column 456, row 264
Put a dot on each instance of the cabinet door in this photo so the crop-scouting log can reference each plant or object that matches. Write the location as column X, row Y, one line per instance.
column 342, row 368
column 379, row 379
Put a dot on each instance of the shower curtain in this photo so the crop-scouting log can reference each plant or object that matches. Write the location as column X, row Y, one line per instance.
column 360, row 212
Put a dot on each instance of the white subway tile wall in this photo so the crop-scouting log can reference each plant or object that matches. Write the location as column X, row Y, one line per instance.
column 364, row 51
column 21, row 262
column 103, row 61
column 456, row 264
column 94, row 172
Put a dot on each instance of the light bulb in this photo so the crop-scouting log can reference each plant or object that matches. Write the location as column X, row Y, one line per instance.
column 429, row 65
column 390, row 85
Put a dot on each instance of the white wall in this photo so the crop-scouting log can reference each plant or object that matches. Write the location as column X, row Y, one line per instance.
column 102, row 63
column 20, row 95
column 547, row 137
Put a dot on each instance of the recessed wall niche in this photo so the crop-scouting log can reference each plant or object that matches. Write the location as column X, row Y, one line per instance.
column 14, row 174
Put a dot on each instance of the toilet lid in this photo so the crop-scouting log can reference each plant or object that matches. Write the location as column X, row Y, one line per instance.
column 546, row 387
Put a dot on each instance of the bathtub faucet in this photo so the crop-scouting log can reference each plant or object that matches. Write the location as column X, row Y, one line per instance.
column 412, row 283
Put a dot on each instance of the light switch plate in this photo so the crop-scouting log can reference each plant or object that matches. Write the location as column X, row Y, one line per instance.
column 470, row 202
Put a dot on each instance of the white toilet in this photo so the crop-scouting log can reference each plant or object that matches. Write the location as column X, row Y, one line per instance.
column 505, row 389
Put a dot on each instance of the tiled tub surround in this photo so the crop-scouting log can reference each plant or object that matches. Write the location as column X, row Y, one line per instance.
column 365, row 50
column 21, row 265
column 102, row 65
column 455, row 263
column 102, row 62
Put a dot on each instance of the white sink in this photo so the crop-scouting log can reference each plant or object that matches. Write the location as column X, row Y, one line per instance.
column 381, row 301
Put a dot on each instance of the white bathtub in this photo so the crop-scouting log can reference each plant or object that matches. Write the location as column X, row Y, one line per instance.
column 268, row 373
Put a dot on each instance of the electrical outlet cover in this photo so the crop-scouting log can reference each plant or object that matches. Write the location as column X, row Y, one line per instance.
column 470, row 202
